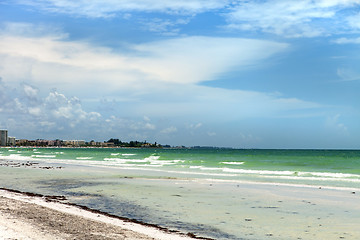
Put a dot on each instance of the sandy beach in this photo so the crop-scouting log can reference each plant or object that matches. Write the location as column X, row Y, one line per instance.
column 34, row 217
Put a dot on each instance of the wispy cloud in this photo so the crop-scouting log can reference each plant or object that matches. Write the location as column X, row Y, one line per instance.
column 348, row 74
column 290, row 18
column 179, row 60
column 109, row 8
column 334, row 123
column 354, row 21
column 164, row 26
column 169, row 130
column 345, row 40
column 24, row 29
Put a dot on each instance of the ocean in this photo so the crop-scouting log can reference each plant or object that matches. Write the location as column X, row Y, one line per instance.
column 191, row 190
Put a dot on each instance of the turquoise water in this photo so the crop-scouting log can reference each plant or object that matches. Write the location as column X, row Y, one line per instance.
column 201, row 190
column 338, row 168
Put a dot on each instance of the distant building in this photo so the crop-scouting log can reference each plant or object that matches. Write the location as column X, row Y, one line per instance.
column 74, row 143
column 11, row 141
column 3, row 137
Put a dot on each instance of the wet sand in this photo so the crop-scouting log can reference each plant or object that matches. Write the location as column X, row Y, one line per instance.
column 34, row 217
column 211, row 208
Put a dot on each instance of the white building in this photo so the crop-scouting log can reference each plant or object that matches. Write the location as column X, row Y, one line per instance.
column 3, row 137
column 74, row 143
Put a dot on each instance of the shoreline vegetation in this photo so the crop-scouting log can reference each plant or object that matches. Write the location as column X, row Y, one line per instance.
column 82, row 143
column 42, row 216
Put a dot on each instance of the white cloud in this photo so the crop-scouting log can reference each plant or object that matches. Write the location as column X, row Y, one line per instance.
column 55, row 108
column 345, row 40
column 211, row 134
column 354, row 21
column 196, row 59
column 348, row 74
column 24, row 29
column 169, row 130
column 301, row 18
column 46, row 60
column 332, row 3
column 164, row 26
column 195, row 126
column 333, row 123
column 30, row 91
column 290, row 18
column 149, row 126
column 36, row 111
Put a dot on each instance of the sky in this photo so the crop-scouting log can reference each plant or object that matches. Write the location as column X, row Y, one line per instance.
column 240, row 73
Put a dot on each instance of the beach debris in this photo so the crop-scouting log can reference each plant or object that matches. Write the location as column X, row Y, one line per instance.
column 27, row 164
column 176, row 195
column 54, row 198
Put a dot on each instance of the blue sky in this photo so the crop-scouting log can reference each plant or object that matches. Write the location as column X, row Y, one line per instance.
column 244, row 74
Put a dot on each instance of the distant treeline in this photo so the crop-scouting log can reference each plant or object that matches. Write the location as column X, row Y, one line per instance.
column 119, row 143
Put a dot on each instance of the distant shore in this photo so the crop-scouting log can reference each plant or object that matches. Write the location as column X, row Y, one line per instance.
column 32, row 216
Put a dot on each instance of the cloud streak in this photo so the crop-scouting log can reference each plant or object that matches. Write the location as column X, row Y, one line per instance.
column 187, row 60
column 290, row 19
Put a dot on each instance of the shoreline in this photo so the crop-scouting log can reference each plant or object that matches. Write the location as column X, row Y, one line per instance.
column 122, row 228
column 265, row 211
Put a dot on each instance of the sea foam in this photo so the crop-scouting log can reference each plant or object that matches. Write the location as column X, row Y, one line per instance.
column 233, row 163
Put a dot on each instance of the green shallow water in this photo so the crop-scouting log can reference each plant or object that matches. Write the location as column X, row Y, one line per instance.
column 338, row 168
column 202, row 190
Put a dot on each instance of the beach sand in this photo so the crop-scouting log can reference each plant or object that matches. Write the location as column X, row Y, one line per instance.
column 34, row 217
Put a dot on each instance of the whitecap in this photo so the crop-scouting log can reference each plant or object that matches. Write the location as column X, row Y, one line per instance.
column 84, row 158
column 316, row 178
column 233, row 163
column 17, row 157
column 210, row 169
column 261, row 172
column 197, row 167
column 137, row 160
column 44, row 156
column 122, row 160
column 152, row 158
column 328, row 174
